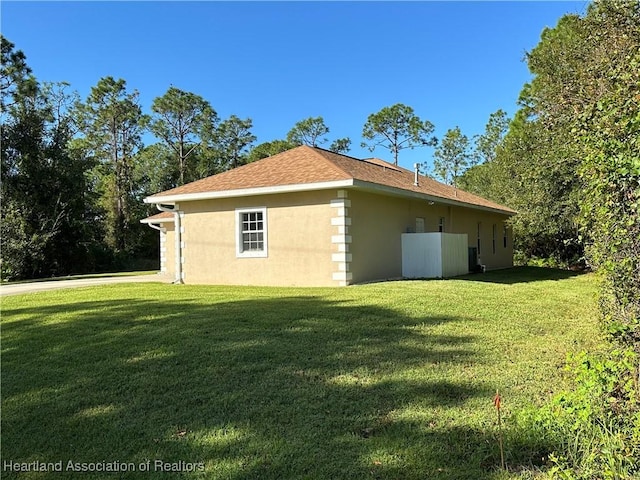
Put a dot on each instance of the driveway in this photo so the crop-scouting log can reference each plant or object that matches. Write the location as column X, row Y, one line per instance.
column 31, row 287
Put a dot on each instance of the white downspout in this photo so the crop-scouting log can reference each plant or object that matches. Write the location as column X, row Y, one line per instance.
column 156, row 227
column 178, row 242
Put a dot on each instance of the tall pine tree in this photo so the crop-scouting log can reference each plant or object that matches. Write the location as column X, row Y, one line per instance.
column 112, row 123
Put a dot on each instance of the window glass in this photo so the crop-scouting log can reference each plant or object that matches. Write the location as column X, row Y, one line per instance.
column 493, row 238
column 251, row 241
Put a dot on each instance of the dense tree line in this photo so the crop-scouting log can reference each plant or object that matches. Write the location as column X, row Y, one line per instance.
column 570, row 164
column 569, row 160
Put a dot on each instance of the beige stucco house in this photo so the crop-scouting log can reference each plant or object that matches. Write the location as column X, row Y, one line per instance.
column 311, row 217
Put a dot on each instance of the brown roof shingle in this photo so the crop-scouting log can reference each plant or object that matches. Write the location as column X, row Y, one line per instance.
column 296, row 166
column 393, row 176
column 159, row 218
column 305, row 165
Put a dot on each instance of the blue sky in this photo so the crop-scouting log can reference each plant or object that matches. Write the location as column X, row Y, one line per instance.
column 453, row 62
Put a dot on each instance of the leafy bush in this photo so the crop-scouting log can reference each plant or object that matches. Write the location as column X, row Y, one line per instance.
column 521, row 258
column 592, row 431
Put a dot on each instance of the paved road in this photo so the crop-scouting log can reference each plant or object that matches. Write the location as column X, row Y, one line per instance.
column 20, row 288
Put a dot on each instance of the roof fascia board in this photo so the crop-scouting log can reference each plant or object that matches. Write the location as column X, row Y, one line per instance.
column 375, row 187
column 157, row 220
column 247, row 192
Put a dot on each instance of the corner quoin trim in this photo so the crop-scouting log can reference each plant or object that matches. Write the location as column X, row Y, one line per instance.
column 341, row 220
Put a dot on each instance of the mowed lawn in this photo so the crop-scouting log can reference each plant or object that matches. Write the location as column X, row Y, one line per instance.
column 389, row 380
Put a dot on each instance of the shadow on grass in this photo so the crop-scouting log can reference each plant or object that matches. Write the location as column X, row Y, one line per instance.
column 273, row 388
column 521, row 275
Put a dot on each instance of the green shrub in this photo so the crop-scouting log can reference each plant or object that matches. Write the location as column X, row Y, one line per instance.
column 592, row 431
column 521, row 258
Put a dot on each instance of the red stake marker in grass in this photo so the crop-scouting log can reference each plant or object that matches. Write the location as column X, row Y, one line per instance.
column 496, row 403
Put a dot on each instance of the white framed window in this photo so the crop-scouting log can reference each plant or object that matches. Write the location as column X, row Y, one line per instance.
column 441, row 225
column 251, row 232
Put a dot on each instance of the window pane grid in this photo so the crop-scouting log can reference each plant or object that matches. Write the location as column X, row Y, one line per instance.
column 251, row 221
column 252, row 241
column 252, row 232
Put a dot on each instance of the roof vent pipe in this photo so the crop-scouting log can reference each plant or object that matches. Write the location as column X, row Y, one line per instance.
column 416, row 167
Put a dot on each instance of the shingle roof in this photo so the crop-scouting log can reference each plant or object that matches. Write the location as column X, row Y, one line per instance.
column 311, row 165
column 158, row 218
column 296, row 166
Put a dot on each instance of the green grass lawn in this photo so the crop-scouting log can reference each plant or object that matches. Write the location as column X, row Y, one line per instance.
column 389, row 380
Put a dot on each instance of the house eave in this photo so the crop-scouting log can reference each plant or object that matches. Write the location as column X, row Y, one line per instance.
column 304, row 187
column 399, row 192
column 248, row 192
column 157, row 221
